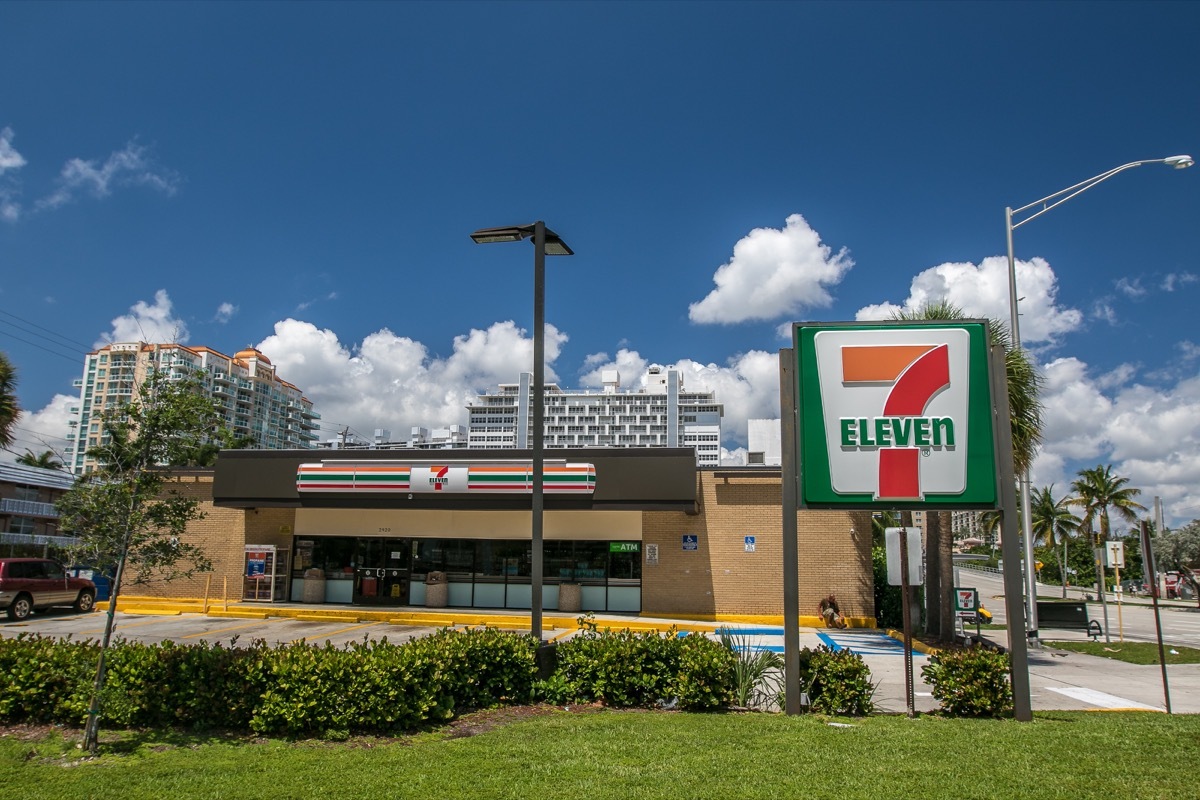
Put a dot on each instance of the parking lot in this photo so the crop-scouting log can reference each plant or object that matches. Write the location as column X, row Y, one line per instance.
column 185, row 628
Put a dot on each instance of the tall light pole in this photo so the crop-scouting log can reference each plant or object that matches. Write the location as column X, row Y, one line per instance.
column 545, row 242
column 1042, row 206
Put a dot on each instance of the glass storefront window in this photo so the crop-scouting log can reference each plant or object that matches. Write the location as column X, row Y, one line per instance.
column 625, row 561
column 455, row 557
column 505, row 560
column 333, row 554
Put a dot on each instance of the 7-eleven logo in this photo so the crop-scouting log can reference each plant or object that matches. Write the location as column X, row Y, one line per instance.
column 895, row 409
column 439, row 478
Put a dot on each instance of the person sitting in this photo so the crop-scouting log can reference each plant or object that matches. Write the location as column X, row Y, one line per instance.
column 831, row 613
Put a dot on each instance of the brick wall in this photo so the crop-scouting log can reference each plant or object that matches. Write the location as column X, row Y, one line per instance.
column 721, row 577
column 223, row 533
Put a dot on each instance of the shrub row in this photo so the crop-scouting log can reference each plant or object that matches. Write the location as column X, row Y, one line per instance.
column 624, row 668
column 369, row 687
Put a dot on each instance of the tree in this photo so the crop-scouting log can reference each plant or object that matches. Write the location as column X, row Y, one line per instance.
column 127, row 514
column 1025, row 419
column 9, row 410
column 1179, row 550
column 1096, row 491
column 46, row 460
column 1053, row 522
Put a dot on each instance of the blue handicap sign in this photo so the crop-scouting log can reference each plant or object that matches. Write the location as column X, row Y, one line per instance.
column 691, row 541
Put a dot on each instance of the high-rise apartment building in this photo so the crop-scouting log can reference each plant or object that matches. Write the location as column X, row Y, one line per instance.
column 663, row 414
column 253, row 400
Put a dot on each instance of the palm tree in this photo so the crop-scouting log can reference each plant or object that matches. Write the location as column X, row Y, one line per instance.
column 1052, row 522
column 9, row 410
column 1025, row 418
column 47, row 460
column 1097, row 490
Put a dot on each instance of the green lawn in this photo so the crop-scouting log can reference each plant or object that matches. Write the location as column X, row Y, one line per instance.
column 645, row 755
column 1133, row 652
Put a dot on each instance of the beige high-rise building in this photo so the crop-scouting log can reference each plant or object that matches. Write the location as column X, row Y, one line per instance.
column 254, row 401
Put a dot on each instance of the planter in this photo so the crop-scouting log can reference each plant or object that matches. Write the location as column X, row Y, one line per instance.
column 437, row 590
column 314, row 586
column 569, row 597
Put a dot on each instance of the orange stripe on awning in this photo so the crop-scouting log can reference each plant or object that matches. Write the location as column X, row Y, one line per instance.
column 879, row 362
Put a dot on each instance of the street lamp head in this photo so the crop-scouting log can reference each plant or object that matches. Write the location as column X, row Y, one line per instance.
column 1179, row 162
column 555, row 246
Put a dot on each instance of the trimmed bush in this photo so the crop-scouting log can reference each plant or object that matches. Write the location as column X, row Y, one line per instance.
column 624, row 669
column 45, row 680
column 839, row 682
column 970, row 683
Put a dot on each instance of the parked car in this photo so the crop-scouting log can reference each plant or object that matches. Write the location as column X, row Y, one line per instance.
column 34, row 584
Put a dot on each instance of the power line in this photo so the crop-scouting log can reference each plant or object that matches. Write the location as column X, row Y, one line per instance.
column 55, row 334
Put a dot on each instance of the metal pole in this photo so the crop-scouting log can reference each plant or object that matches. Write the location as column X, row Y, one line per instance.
column 539, row 390
column 1014, row 609
column 791, row 548
column 1026, row 510
column 1098, row 557
column 1152, row 575
column 909, row 696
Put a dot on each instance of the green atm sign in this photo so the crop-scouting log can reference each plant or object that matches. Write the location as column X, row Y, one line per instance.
column 895, row 415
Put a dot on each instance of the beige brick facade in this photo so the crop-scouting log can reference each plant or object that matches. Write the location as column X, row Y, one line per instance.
column 721, row 578
column 718, row 579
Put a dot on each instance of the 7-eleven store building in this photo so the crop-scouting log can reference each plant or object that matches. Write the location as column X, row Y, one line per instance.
column 636, row 530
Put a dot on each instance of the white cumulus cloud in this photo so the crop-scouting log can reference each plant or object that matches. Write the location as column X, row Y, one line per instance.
column 773, row 273
column 391, row 381
column 129, row 166
column 982, row 291
column 1150, row 435
column 148, row 322
column 10, row 160
column 225, row 312
column 39, row 431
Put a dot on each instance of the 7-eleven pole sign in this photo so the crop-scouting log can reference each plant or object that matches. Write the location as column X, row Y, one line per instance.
column 895, row 415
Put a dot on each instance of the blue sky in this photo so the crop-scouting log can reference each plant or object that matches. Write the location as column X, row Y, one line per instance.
column 303, row 177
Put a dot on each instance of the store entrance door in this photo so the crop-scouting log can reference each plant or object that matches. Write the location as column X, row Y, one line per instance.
column 382, row 572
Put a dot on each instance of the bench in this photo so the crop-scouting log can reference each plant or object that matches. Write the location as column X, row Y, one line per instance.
column 1067, row 615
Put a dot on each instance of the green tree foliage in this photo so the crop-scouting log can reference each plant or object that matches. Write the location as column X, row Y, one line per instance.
column 45, row 460
column 127, row 513
column 9, row 410
column 1053, row 523
column 1025, row 417
column 1096, row 491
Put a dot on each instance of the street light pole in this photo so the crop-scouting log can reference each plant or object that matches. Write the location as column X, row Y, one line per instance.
column 545, row 242
column 1045, row 204
column 538, row 401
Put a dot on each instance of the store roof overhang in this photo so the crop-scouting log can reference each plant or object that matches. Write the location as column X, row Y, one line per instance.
column 648, row 479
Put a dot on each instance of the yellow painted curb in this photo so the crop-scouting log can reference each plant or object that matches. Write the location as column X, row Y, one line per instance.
column 919, row 646
column 152, row 612
column 238, row 614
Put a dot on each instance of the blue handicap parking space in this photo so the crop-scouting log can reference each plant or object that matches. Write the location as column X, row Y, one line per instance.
column 864, row 644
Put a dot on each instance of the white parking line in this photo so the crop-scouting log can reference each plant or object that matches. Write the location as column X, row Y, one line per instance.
column 1100, row 699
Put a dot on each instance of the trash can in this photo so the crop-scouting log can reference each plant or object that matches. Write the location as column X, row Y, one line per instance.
column 314, row 586
column 437, row 590
column 569, row 596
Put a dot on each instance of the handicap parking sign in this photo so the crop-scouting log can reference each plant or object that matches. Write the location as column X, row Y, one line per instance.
column 691, row 541
column 749, row 542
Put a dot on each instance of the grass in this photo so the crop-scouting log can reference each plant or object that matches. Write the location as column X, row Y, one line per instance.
column 1132, row 652
column 644, row 755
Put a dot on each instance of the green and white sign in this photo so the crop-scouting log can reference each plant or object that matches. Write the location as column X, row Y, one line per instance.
column 895, row 415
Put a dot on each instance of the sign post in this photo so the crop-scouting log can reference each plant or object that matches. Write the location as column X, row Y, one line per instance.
column 908, row 416
column 1151, row 576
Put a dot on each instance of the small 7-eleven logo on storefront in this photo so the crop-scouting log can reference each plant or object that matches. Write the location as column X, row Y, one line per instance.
column 890, row 406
